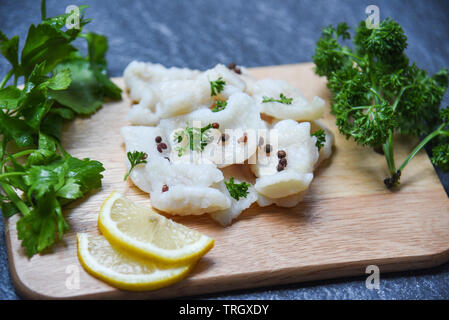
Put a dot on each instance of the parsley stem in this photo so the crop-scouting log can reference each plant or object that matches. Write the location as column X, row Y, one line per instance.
column 350, row 55
column 11, row 174
column 389, row 153
column 6, row 78
column 127, row 174
column 15, row 198
column 61, row 148
column 43, row 9
column 372, row 77
column 391, row 150
column 421, row 145
column 17, row 155
column 379, row 98
column 361, row 107
column 398, row 98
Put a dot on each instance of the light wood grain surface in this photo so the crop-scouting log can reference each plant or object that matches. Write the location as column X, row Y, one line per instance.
column 348, row 220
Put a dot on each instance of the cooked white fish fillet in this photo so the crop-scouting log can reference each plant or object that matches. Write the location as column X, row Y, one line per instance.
column 240, row 113
column 181, row 97
column 182, row 181
column 162, row 92
column 143, row 138
column 153, row 73
column 234, row 83
column 292, row 137
column 324, row 153
column 286, row 202
column 299, row 109
column 162, row 172
column 192, row 188
column 225, row 217
column 240, row 173
column 240, row 118
column 141, row 79
column 169, row 99
column 250, row 81
column 283, row 184
column 189, row 200
column 144, row 112
column 326, row 149
column 301, row 154
column 140, row 138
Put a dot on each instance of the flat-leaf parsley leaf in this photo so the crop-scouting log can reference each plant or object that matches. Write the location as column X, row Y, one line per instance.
column 59, row 83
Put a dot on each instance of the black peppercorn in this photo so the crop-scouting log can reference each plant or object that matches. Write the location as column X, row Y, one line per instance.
column 283, row 162
column 281, row 154
column 268, row 148
column 224, row 137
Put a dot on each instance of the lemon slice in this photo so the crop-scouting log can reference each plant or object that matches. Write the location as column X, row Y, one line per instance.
column 140, row 230
column 122, row 270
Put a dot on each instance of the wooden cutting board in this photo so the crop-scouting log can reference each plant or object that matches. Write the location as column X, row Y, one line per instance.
column 348, row 219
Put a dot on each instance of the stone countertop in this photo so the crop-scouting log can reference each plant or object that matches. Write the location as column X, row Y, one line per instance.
column 200, row 34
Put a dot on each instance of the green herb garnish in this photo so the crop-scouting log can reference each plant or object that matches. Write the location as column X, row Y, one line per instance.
column 320, row 138
column 59, row 83
column 219, row 106
column 237, row 190
column 198, row 138
column 216, row 86
column 135, row 158
column 282, row 99
column 49, row 179
column 377, row 92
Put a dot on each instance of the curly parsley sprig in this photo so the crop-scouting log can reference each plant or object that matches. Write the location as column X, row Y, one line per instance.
column 282, row 99
column 237, row 190
column 135, row 158
column 217, row 86
column 377, row 92
column 320, row 138
column 219, row 106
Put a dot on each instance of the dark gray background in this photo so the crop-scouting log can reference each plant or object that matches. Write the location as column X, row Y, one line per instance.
column 200, row 34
